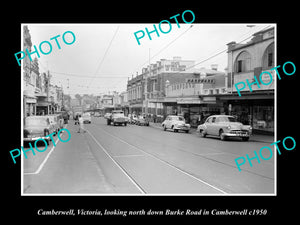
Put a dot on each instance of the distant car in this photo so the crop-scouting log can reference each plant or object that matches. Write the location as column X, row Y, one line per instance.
column 176, row 123
column 224, row 126
column 142, row 121
column 86, row 117
column 65, row 116
column 132, row 118
column 97, row 114
column 37, row 127
column 57, row 121
column 107, row 115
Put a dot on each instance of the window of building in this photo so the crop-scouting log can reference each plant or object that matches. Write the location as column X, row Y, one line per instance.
column 243, row 62
column 268, row 57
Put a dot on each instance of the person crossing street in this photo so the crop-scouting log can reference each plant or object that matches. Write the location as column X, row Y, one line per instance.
column 81, row 125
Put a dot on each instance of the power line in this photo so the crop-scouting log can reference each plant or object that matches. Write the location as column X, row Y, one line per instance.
column 222, row 50
column 104, row 56
column 85, row 76
column 166, row 46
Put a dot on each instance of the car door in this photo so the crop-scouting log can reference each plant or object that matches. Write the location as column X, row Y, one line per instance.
column 212, row 126
column 208, row 125
column 168, row 122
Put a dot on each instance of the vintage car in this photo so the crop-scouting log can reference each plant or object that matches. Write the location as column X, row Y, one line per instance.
column 57, row 121
column 141, row 120
column 117, row 117
column 37, row 127
column 107, row 115
column 86, row 117
column 132, row 118
column 65, row 115
column 224, row 126
column 97, row 114
column 176, row 123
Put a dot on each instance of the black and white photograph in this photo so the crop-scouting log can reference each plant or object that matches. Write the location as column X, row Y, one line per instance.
column 150, row 112
column 148, row 109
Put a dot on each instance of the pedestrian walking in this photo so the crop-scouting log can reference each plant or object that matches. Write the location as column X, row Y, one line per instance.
column 81, row 126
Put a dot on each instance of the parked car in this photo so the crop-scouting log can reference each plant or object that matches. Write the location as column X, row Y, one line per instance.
column 107, row 115
column 97, row 114
column 57, row 121
column 117, row 117
column 142, row 121
column 176, row 123
column 37, row 127
column 65, row 116
column 132, row 118
column 86, row 117
column 224, row 126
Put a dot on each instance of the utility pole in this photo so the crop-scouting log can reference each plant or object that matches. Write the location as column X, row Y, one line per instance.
column 146, row 87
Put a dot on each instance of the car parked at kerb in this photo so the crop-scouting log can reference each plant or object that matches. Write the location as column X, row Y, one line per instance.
column 57, row 121
column 37, row 127
column 176, row 123
column 224, row 126
column 141, row 120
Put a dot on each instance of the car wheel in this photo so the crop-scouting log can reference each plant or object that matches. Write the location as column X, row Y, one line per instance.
column 164, row 127
column 222, row 136
column 202, row 133
column 186, row 131
column 172, row 127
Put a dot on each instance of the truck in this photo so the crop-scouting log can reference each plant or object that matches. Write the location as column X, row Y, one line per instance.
column 117, row 117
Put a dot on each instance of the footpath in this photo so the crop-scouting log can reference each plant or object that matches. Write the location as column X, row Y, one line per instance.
column 254, row 137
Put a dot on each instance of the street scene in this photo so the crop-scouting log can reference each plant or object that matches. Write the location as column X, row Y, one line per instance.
column 163, row 118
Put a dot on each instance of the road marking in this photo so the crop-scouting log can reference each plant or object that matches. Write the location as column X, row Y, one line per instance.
column 120, row 156
column 44, row 161
column 118, row 165
column 46, row 158
column 165, row 162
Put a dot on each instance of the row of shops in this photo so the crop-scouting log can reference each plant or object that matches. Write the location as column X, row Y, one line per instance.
column 255, row 109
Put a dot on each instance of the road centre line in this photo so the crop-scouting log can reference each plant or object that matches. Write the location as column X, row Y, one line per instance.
column 178, row 169
column 45, row 160
column 118, row 165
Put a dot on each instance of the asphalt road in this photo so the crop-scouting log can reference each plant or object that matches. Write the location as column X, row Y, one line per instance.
column 145, row 160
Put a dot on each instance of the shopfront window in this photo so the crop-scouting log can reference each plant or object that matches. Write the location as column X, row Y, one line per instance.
column 263, row 118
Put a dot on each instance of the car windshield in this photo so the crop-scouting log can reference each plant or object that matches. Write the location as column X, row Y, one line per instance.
column 178, row 118
column 226, row 119
column 36, row 121
column 118, row 114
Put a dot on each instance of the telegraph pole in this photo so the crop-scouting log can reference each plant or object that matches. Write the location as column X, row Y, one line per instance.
column 146, row 87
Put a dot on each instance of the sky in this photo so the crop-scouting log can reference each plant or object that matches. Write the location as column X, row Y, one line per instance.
column 103, row 56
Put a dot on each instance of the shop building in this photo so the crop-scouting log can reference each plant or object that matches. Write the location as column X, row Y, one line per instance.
column 196, row 98
column 247, row 61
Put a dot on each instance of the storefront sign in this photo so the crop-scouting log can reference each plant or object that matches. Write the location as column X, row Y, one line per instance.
column 188, row 101
column 200, row 80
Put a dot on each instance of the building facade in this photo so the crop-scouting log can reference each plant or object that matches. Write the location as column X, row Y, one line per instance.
column 246, row 61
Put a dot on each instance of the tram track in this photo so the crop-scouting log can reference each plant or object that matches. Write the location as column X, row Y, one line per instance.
column 132, row 179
